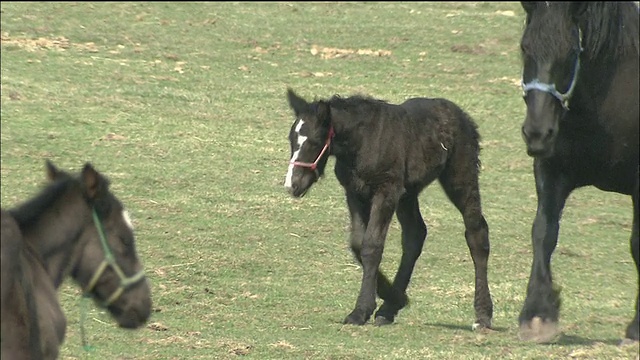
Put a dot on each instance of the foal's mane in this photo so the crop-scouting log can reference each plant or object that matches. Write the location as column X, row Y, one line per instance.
column 609, row 29
column 28, row 212
column 355, row 101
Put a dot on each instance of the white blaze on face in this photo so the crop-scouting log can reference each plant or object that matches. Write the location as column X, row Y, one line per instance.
column 127, row 219
column 301, row 140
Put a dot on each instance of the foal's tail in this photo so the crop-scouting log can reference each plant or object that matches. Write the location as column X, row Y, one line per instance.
column 468, row 135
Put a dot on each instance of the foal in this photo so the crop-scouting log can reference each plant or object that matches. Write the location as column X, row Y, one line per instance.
column 75, row 227
column 385, row 156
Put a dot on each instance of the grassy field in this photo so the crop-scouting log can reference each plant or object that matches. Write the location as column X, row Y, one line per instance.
column 183, row 106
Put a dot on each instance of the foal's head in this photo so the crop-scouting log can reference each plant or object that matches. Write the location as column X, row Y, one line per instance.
column 310, row 137
column 551, row 46
column 107, row 268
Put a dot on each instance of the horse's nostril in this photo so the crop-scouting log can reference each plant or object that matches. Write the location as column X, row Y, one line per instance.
column 549, row 132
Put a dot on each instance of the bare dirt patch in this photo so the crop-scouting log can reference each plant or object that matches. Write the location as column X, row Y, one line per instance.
column 56, row 43
column 334, row 53
column 59, row 43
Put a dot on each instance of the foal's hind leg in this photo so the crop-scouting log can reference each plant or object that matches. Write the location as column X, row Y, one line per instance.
column 414, row 233
column 460, row 183
column 633, row 331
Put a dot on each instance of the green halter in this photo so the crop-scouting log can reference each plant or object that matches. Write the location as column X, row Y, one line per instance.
column 109, row 259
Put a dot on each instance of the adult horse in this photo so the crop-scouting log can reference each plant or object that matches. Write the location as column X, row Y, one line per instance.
column 74, row 227
column 580, row 82
column 386, row 155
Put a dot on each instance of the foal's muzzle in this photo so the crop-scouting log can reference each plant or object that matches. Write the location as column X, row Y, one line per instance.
column 298, row 191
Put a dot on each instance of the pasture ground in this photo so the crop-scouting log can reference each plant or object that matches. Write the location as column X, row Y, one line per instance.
column 183, row 106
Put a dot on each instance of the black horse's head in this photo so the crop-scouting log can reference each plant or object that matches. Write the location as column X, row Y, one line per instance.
column 107, row 265
column 551, row 49
column 310, row 138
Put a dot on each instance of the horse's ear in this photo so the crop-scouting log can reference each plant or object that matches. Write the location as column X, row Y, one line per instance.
column 323, row 112
column 92, row 181
column 529, row 6
column 296, row 103
column 52, row 171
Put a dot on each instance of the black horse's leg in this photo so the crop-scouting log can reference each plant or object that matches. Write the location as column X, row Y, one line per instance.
column 369, row 253
column 539, row 316
column 462, row 188
column 633, row 331
column 414, row 233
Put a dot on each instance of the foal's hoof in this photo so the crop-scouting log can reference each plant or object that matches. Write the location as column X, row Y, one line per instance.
column 357, row 317
column 381, row 321
column 538, row 330
column 481, row 325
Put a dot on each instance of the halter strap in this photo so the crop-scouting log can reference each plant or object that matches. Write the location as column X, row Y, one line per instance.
column 109, row 260
column 536, row 84
column 314, row 164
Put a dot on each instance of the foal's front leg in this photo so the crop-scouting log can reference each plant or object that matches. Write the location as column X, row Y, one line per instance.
column 414, row 233
column 380, row 214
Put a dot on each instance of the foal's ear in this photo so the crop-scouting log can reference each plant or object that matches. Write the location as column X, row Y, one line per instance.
column 298, row 104
column 52, row 171
column 92, row 180
column 323, row 112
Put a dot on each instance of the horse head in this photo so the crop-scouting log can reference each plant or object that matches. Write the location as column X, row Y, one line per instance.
column 551, row 47
column 108, row 268
column 310, row 138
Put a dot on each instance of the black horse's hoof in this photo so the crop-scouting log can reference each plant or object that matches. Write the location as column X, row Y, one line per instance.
column 382, row 320
column 539, row 331
column 357, row 317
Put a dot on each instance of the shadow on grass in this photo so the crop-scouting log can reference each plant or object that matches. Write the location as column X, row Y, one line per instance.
column 565, row 339
column 463, row 327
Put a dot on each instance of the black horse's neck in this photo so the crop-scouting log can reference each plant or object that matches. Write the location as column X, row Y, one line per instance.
column 52, row 223
column 610, row 46
column 28, row 213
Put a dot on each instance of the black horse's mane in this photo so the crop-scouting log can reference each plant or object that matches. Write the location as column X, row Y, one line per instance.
column 610, row 31
column 28, row 212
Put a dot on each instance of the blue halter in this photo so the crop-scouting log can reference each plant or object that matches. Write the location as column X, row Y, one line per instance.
column 536, row 84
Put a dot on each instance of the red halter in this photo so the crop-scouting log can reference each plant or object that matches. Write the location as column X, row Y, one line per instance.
column 314, row 164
